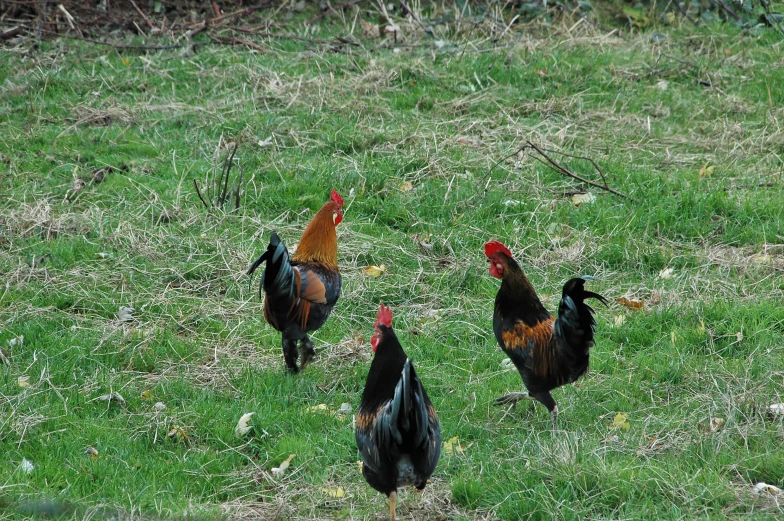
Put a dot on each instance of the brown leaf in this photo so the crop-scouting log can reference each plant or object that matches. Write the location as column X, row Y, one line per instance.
column 631, row 304
column 370, row 30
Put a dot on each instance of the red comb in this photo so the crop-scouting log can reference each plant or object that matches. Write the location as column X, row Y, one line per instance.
column 493, row 247
column 384, row 317
column 335, row 196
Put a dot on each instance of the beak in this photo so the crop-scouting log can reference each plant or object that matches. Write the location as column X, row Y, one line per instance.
column 587, row 277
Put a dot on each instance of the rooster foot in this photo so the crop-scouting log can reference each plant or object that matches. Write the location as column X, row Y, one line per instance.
column 306, row 355
column 513, row 398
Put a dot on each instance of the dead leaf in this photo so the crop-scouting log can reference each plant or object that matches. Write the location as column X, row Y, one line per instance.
column 777, row 409
column 334, row 493
column 374, row 271
column 16, row 341
column 243, row 427
column 541, row 72
column 318, row 408
column 619, row 320
column 620, row 421
column 407, row 186
column 125, row 314
column 762, row 487
column 452, row 446
column 667, row 273
column 111, row 397
column 762, row 259
column 91, row 452
column 178, row 432
column 469, row 141
column 706, row 170
column 631, row 304
column 582, row 198
column 146, row 396
column 716, row 424
column 345, row 408
column 23, row 381
column 280, row 470
column 159, row 406
column 370, row 30
column 26, row 466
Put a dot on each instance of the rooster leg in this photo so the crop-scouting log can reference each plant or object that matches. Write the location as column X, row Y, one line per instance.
column 307, row 353
column 392, row 497
column 513, row 398
column 290, row 354
column 546, row 399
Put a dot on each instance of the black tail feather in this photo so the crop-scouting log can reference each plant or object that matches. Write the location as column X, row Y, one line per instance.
column 278, row 278
column 575, row 323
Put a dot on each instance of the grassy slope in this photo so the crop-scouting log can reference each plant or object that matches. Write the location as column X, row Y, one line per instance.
column 708, row 343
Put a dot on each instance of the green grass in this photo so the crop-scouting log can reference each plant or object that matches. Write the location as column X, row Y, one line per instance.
column 366, row 120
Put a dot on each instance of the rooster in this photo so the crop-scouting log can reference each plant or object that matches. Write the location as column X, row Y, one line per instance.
column 301, row 290
column 548, row 352
column 397, row 429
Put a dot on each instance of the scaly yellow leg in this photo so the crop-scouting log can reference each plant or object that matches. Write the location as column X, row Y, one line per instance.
column 392, row 497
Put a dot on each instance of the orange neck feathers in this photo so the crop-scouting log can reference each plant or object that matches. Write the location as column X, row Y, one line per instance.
column 319, row 242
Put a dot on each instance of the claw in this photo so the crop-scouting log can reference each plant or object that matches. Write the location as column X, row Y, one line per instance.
column 392, row 496
column 512, row 398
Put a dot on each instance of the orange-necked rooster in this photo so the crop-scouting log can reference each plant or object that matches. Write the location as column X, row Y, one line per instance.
column 301, row 290
column 548, row 352
column 397, row 430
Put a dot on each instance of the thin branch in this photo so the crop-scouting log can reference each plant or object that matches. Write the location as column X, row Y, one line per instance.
column 551, row 163
column 142, row 13
column 744, row 187
column 729, row 11
column 331, row 10
column 565, row 171
column 237, row 41
column 686, row 14
column 226, row 173
column 198, row 192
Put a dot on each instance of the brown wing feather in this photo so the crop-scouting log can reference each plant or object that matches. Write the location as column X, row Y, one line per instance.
column 314, row 291
column 542, row 356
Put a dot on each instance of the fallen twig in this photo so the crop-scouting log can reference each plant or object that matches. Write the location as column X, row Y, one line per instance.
column 220, row 185
column 10, row 33
column 747, row 186
column 331, row 10
column 686, row 14
column 142, row 14
column 546, row 160
column 237, row 41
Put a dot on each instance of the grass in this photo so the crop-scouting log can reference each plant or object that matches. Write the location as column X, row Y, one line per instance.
column 366, row 120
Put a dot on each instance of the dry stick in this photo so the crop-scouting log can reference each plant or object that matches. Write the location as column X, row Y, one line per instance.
column 198, row 192
column 743, row 187
column 225, row 173
column 11, row 33
column 143, row 15
column 331, row 10
column 237, row 193
column 406, row 9
column 580, row 157
column 686, row 14
column 116, row 45
column 237, row 41
column 568, row 173
column 727, row 9
column 766, row 6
